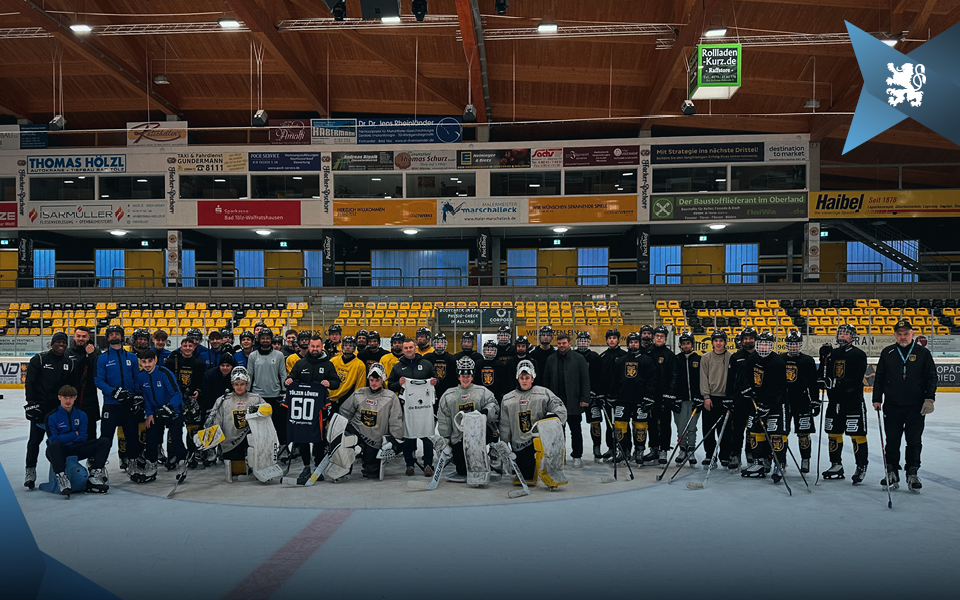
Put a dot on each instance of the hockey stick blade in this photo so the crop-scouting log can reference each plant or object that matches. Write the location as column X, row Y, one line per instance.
column 518, row 493
column 418, row 486
column 694, row 485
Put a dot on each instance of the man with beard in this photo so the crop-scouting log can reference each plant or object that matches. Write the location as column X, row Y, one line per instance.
column 411, row 377
column 646, row 338
column 84, row 353
column 268, row 371
column 567, row 376
column 444, row 367
column 607, row 391
column 373, row 353
column 361, row 341
column 522, row 348
column 423, row 341
column 314, row 367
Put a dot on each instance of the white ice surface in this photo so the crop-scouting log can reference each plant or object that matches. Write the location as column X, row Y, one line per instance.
column 737, row 537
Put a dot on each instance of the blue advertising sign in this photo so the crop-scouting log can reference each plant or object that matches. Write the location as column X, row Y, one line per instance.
column 422, row 130
column 284, row 161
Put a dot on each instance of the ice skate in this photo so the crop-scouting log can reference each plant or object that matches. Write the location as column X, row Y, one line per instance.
column 650, row 456
column 64, row 482
column 456, row 478
column 894, row 478
column 805, row 465
column 754, row 471
column 767, row 465
column 662, row 457
column 97, row 483
column 682, row 456
column 913, row 483
column 578, row 463
column 146, row 473
column 596, row 454
column 30, row 479
column 859, row 475
column 834, row 472
column 734, row 463
column 776, row 474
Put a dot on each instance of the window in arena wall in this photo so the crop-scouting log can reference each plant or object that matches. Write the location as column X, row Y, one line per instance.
column 605, row 181
column 768, row 177
column 663, row 260
column 136, row 187
column 690, row 179
column 368, row 185
column 7, row 189
column 213, row 187
column 525, row 183
column 441, row 185
column 69, row 189
column 285, row 186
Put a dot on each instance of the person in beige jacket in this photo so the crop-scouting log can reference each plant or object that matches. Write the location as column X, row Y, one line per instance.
column 713, row 386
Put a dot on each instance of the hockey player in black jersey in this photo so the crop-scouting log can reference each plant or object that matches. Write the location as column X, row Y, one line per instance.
column 491, row 374
column 594, row 411
column 802, row 391
column 539, row 354
column 842, row 370
column 307, row 404
column 373, row 353
column 739, row 397
column 646, row 338
column 768, row 423
column 444, row 367
column 505, row 350
column 467, row 348
column 688, row 398
column 664, row 397
column 608, row 393
column 633, row 385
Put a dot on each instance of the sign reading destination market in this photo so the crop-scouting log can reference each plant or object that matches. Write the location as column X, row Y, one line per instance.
column 714, row 72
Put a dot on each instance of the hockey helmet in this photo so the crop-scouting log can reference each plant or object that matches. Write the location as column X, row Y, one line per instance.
column 526, row 366
column 466, row 366
column 546, row 330
column 195, row 334
column 424, row 331
column 440, row 342
column 227, row 333
column 794, row 342
column 522, row 341
column 377, row 371
column 843, row 329
column 373, row 335
column 646, row 329
column 397, row 337
column 334, row 329
column 490, row 349
column 114, row 329
column 349, row 341
column 265, row 332
column 765, row 343
column 583, row 340
column 303, row 339
column 247, row 334
column 239, row 374
column 748, row 332
column 141, row 333
column 718, row 334
column 260, row 325
column 686, row 336
column 503, row 335
column 661, row 330
column 612, row 332
column 633, row 336
column 738, row 340
column 467, row 335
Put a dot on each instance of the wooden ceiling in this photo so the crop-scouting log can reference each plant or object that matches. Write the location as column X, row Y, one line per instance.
column 428, row 70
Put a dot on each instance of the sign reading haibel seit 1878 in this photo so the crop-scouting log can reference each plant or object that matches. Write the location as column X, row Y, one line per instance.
column 474, row 317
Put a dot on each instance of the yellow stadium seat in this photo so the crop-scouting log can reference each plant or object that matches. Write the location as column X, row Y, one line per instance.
column 760, row 304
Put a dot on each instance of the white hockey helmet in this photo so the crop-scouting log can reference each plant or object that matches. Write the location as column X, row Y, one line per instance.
column 239, row 374
column 526, row 366
column 377, row 370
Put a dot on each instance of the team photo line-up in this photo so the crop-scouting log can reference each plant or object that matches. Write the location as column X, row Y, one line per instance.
column 500, row 410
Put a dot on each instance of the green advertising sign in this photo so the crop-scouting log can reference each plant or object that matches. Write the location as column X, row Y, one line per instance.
column 728, row 206
column 714, row 72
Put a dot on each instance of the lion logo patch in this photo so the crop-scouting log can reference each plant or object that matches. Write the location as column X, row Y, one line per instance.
column 525, row 421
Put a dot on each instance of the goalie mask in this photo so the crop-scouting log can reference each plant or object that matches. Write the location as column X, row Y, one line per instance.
column 239, row 374
column 526, row 366
column 466, row 366
column 377, row 371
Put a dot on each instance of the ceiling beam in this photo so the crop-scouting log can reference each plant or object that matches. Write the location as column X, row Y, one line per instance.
column 471, row 34
column 117, row 68
column 257, row 20
column 671, row 64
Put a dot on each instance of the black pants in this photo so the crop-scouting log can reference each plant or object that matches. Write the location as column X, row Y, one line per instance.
column 238, row 452
column 175, row 450
column 900, row 421
column 115, row 416
column 526, row 462
column 459, row 459
column 37, row 434
column 410, row 451
column 661, row 427
column 92, row 418
column 576, row 437
column 732, row 443
column 319, row 449
column 57, row 453
column 368, row 457
column 710, row 417
column 279, row 418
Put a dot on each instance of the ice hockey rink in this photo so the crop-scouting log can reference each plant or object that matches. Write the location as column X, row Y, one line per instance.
column 365, row 539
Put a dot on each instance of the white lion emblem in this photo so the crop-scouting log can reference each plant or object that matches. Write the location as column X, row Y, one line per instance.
column 910, row 82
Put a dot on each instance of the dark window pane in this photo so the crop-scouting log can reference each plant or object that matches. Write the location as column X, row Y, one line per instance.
column 213, row 187
column 527, row 183
column 78, row 187
column 694, row 179
column 368, row 186
column 768, row 177
column 142, row 187
column 445, row 185
column 609, row 181
column 285, row 186
column 8, row 188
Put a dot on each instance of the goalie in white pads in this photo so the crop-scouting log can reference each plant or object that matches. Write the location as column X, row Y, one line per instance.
column 257, row 443
column 375, row 413
column 521, row 410
column 466, row 398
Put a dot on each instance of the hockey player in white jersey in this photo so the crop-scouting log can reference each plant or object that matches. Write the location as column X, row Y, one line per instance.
column 466, row 398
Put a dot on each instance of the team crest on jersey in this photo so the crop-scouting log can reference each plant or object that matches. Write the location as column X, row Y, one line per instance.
column 525, row 420
column 465, row 407
column 791, row 373
column 696, row 364
column 441, row 369
column 660, row 360
column 487, row 376
column 757, row 376
column 776, row 441
column 839, row 368
column 912, row 358
column 186, row 377
column 240, row 418
column 369, row 417
column 631, row 370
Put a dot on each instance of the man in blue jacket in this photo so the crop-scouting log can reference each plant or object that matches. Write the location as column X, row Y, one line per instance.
column 116, row 377
column 67, row 431
column 163, row 407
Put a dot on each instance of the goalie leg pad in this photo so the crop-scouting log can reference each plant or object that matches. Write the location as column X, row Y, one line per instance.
column 551, row 447
column 474, row 428
column 264, row 449
column 341, row 461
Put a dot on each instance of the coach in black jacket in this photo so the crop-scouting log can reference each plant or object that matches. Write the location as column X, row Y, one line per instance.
column 907, row 379
column 567, row 375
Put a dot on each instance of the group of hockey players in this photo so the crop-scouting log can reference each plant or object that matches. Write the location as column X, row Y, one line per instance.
column 500, row 410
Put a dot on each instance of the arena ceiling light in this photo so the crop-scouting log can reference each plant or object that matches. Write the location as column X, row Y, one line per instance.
column 561, row 229
column 501, row 6
column 118, row 232
column 81, row 28
column 390, row 20
column 715, row 32
column 411, row 231
column 547, row 28
column 263, row 232
column 419, row 9
column 717, row 226
column 229, row 23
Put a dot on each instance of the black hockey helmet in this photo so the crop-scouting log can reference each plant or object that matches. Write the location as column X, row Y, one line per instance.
column 718, row 334
column 522, row 340
column 490, row 349
column 114, row 329
column 546, row 330
column 349, row 340
column 748, row 332
column 661, row 329
column 583, row 335
column 247, row 334
column 765, row 343
column 260, row 324
column 141, row 333
column 196, row 334
column 503, row 335
column 646, row 329
column 334, row 329
column 397, row 337
column 686, row 336
column 227, row 333
column 633, row 336
column 794, row 337
column 467, row 335
column 362, row 333
column 439, row 336
column 265, row 332
column 373, row 335
column 613, row 332
column 504, row 329
column 423, row 331
column 846, row 328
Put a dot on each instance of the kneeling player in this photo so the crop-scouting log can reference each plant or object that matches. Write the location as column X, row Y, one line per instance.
column 465, row 397
column 842, row 371
column 521, row 409
column 375, row 413
column 67, row 430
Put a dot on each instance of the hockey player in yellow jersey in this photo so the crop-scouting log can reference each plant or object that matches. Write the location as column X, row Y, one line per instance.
column 350, row 369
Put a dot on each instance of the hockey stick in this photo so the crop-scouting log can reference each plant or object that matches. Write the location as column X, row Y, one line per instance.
column 763, row 423
column 440, row 447
column 613, row 434
column 677, row 447
column 819, row 438
column 793, row 456
column 331, row 450
column 212, row 439
column 883, row 452
column 709, row 431
column 693, row 485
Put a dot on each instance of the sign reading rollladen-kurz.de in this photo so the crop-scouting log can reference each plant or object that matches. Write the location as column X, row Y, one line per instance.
column 474, row 317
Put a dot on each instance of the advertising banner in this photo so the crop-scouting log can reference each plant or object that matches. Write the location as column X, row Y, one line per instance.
column 77, row 163
column 289, row 132
column 811, row 250
column 714, row 72
column 97, row 214
column 786, row 151
column 712, row 207
column 643, row 254
column 33, row 137
column 546, row 158
column 422, row 130
column 643, row 181
column 212, row 162
column 474, row 317
column 25, row 256
column 12, row 374
column 247, row 213
column 348, row 213
column 363, row 161
column 708, row 153
column 9, row 137
column 886, row 204
column 425, row 160
column 601, row 156
column 156, row 133
column 583, row 209
column 333, row 131
column 518, row 158
column 8, row 215
column 174, row 250
column 329, row 259
column 326, row 181
column 474, row 212
column 284, row 161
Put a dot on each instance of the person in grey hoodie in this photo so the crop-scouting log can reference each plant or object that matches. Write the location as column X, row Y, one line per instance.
column 268, row 370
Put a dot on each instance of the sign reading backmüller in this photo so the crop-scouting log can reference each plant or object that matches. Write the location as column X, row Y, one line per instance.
column 713, row 207
column 284, row 161
column 460, row 211
column 708, row 153
column 98, row 214
column 474, row 317
column 601, row 156
column 77, row 163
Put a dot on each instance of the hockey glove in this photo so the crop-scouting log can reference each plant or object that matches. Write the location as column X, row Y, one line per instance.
column 393, row 443
column 550, row 415
column 166, row 412
column 646, row 404
column 673, row 403
column 761, row 410
column 748, row 393
column 697, row 402
column 191, row 411
column 484, row 411
column 729, row 404
column 825, row 351
column 33, row 412
column 815, row 407
column 120, row 395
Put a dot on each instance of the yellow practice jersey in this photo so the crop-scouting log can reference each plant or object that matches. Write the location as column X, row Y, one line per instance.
column 388, row 361
column 353, row 376
column 292, row 360
column 428, row 350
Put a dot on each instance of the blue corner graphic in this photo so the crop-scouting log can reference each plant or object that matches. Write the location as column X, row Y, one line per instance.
column 26, row 572
column 923, row 85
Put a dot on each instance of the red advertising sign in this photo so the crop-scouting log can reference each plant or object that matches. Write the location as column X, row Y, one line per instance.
column 247, row 213
column 601, row 156
column 8, row 214
column 290, row 132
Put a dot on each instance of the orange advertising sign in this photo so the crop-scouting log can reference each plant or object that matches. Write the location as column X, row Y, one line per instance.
column 583, row 209
column 347, row 213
